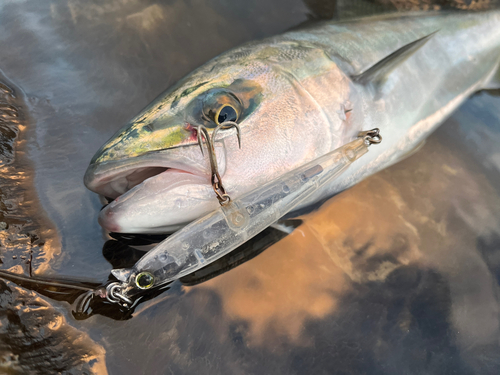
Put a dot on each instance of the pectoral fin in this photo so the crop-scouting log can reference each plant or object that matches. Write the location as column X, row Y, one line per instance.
column 378, row 73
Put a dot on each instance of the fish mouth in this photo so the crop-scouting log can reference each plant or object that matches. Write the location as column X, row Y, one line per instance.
column 129, row 183
column 115, row 178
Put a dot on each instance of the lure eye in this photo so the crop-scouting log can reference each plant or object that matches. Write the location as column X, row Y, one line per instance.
column 226, row 113
column 144, row 280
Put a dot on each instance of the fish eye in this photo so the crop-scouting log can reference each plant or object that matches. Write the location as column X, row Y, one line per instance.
column 219, row 106
column 144, row 280
column 226, row 113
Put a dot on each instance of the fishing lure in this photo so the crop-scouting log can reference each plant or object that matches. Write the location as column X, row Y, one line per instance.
column 220, row 232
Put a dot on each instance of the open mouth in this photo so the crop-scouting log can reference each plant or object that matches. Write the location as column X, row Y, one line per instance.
column 115, row 178
column 116, row 184
column 153, row 193
column 121, row 184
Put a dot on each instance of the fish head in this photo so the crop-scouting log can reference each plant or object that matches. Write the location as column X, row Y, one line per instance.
column 153, row 168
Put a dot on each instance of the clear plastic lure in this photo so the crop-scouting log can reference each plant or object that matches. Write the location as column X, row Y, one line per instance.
column 218, row 233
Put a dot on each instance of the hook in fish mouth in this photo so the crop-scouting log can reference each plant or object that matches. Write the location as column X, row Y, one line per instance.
column 219, row 189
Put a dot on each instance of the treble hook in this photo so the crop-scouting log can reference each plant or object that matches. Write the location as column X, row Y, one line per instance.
column 217, row 185
column 371, row 136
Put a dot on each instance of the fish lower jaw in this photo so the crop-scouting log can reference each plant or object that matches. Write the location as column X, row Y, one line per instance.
column 109, row 223
column 160, row 204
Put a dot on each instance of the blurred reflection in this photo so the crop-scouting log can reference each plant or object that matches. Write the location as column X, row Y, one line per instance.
column 322, row 9
column 27, row 238
column 341, row 9
column 415, row 5
column 278, row 291
column 35, row 337
column 30, row 326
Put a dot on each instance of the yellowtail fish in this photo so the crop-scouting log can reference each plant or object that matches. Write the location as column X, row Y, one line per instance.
column 296, row 97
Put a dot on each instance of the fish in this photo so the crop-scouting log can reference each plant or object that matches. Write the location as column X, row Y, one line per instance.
column 295, row 97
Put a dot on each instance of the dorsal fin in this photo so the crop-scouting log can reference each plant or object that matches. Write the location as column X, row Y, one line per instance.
column 377, row 73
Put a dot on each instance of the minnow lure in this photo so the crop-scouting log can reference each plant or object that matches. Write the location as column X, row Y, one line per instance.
column 220, row 232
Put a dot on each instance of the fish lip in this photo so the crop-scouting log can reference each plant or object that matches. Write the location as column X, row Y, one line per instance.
column 100, row 175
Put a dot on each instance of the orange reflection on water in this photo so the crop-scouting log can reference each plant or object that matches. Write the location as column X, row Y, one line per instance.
column 278, row 290
column 301, row 277
column 367, row 239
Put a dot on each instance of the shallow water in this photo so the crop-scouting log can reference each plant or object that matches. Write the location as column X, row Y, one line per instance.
column 399, row 274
